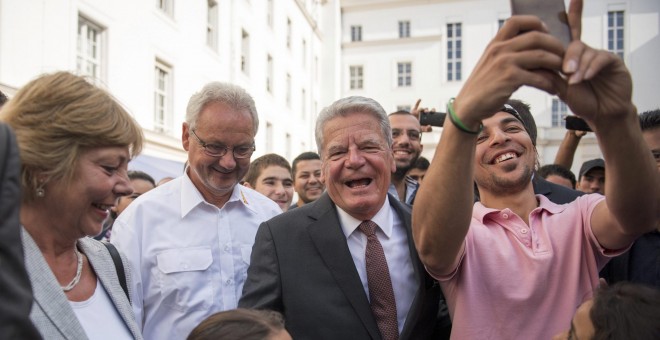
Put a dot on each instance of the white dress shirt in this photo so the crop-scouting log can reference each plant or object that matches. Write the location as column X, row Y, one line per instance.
column 391, row 233
column 189, row 258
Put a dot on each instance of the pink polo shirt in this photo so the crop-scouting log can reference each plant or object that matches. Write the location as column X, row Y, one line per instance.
column 515, row 281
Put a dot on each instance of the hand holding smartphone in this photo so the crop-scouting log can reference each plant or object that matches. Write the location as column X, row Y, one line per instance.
column 551, row 12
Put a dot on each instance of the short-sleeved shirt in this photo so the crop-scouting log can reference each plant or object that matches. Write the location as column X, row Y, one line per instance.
column 515, row 281
column 189, row 258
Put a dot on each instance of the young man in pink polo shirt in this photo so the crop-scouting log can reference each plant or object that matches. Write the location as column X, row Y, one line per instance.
column 515, row 265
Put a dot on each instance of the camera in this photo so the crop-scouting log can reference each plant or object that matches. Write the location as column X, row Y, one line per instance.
column 576, row 123
column 432, row 118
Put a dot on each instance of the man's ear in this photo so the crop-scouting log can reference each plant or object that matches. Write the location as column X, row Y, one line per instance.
column 185, row 136
column 247, row 185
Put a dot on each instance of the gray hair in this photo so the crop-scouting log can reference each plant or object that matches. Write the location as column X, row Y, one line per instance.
column 344, row 107
column 234, row 96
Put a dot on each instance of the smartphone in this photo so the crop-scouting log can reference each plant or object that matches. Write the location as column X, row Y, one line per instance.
column 551, row 12
column 432, row 118
column 576, row 123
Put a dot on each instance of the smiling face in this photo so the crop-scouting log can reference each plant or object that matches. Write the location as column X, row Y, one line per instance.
column 357, row 164
column 215, row 177
column 308, row 180
column 140, row 186
column 407, row 137
column 505, row 155
column 275, row 183
column 78, row 209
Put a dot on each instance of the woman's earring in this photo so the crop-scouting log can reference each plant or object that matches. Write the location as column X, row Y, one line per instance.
column 41, row 192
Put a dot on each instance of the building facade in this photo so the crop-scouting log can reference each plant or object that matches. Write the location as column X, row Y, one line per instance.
column 153, row 55
column 400, row 50
column 297, row 56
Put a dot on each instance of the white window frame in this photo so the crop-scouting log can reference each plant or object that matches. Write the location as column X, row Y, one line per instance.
column 559, row 111
column 245, row 52
column 269, row 73
column 404, row 74
column 212, row 25
column 356, row 33
column 616, row 32
column 163, row 120
column 404, row 29
column 288, row 90
column 166, row 6
column 454, row 51
column 289, row 32
column 89, row 54
column 356, row 77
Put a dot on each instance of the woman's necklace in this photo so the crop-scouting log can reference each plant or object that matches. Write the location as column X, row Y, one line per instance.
column 76, row 279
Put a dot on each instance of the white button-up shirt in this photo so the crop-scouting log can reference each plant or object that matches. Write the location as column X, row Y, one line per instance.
column 188, row 258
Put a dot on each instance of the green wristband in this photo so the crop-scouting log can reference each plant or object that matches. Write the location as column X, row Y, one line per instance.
column 457, row 122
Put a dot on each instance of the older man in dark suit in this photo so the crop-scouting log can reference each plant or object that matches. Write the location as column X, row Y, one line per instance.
column 344, row 266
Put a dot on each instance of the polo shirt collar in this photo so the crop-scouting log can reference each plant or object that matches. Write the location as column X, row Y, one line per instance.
column 480, row 211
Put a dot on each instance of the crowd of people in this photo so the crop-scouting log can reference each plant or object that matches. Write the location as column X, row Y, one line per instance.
column 481, row 243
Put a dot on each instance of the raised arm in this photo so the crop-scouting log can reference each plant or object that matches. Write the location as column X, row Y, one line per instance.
column 443, row 207
column 569, row 144
column 600, row 91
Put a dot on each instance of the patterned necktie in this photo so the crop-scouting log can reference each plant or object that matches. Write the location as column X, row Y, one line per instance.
column 381, row 294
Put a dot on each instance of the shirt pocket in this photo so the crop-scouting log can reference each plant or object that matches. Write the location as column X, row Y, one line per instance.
column 186, row 280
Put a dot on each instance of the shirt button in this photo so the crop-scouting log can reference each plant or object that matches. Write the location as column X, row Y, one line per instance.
column 505, row 215
column 227, row 248
column 524, row 231
column 228, row 282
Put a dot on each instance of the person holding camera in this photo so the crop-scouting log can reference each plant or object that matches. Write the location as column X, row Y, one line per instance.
column 515, row 265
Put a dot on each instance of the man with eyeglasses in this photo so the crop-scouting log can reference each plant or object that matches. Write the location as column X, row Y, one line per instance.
column 407, row 147
column 189, row 241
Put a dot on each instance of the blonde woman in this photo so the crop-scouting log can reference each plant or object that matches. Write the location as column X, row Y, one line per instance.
column 75, row 142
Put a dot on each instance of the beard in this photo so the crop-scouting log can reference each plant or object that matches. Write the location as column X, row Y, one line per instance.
column 502, row 186
column 402, row 169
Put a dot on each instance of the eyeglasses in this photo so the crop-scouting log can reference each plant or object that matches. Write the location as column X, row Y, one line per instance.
column 219, row 150
column 412, row 134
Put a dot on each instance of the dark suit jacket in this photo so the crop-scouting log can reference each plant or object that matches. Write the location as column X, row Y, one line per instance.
column 15, row 289
column 554, row 192
column 301, row 266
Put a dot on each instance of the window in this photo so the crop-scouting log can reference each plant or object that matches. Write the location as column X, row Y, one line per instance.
column 269, row 14
column 454, row 48
column 269, row 74
column 304, row 53
column 288, row 146
column 269, row 137
column 559, row 112
column 403, row 108
column 245, row 52
column 288, row 33
column 404, row 29
column 162, row 98
column 356, row 77
column 500, row 23
column 88, row 61
column 404, row 74
column 356, row 33
column 615, row 32
column 212, row 25
column 303, row 104
column 288, row 90
column 167, row 6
